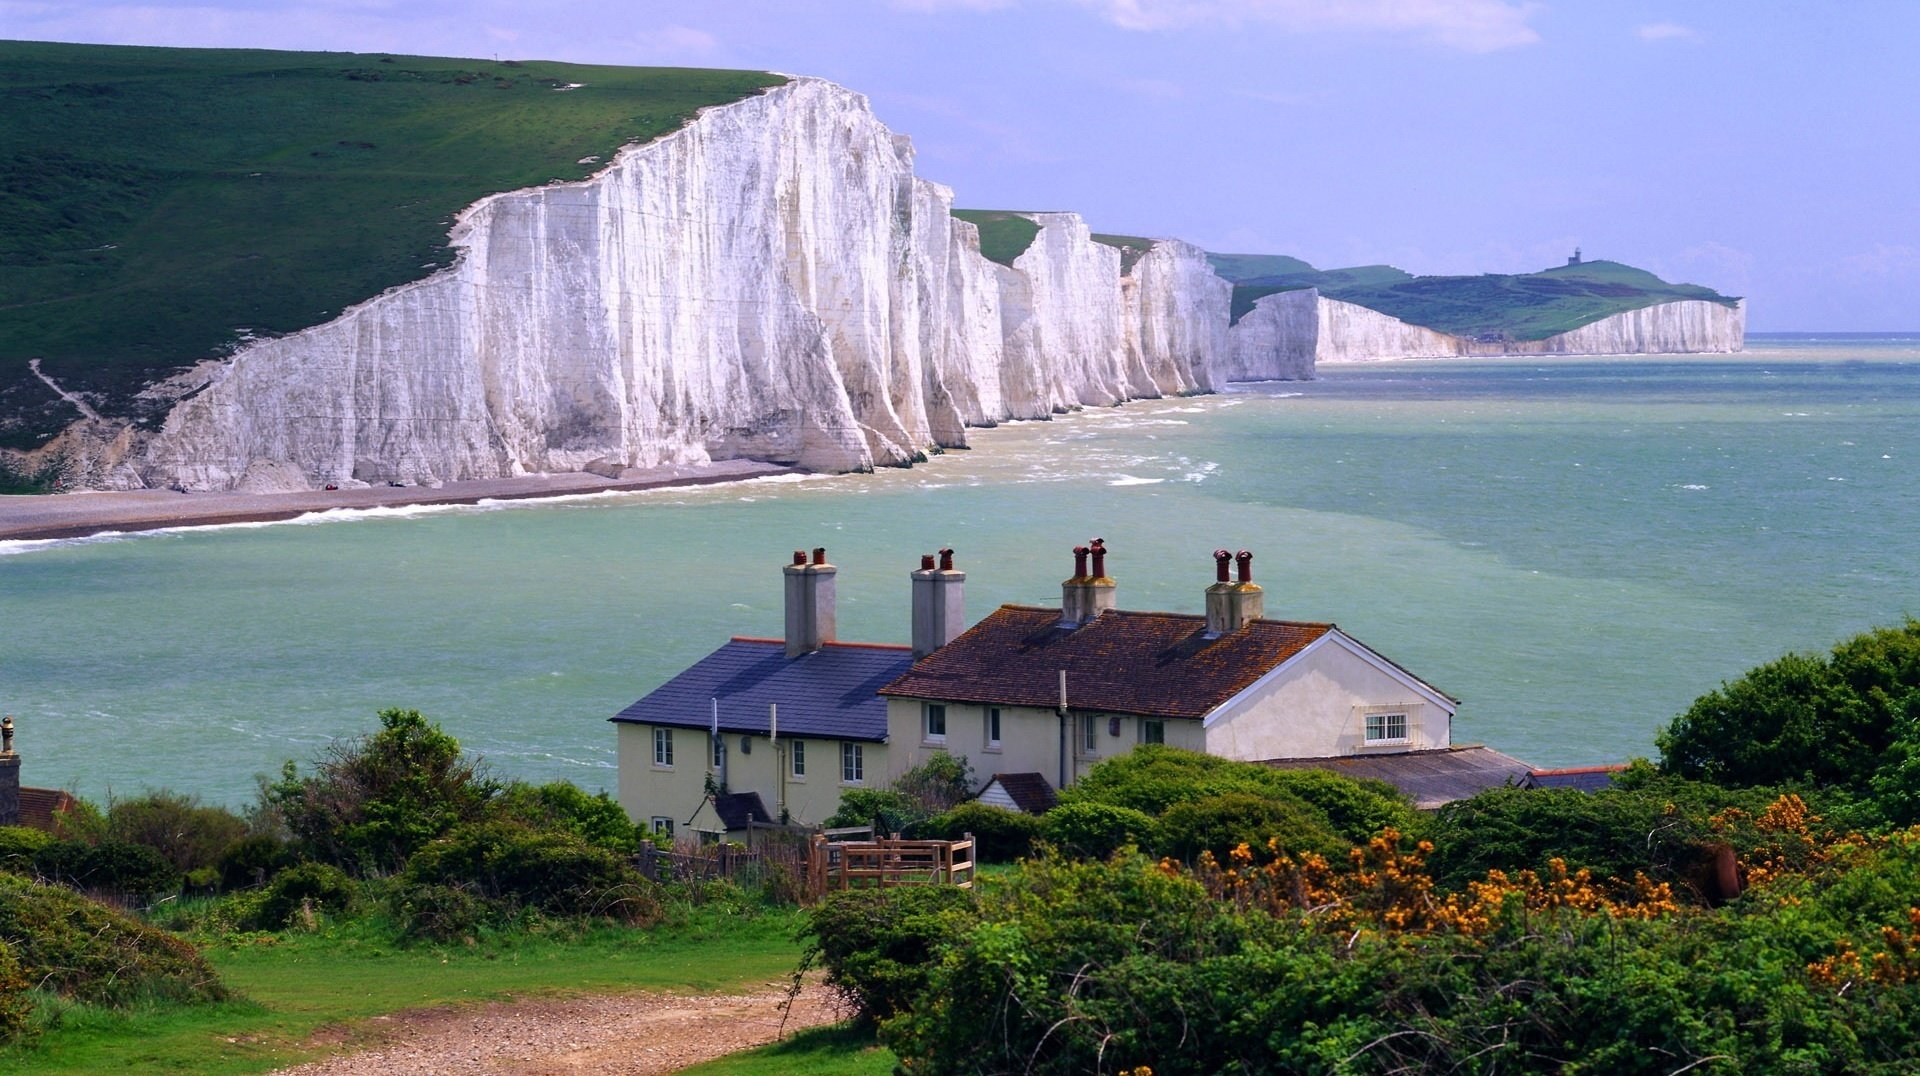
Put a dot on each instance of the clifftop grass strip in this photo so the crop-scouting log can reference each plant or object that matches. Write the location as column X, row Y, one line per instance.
column 158, row 206
column 1004, row 236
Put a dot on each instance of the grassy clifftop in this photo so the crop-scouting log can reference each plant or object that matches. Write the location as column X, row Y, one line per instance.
column 1523, row 306
column 157, row 205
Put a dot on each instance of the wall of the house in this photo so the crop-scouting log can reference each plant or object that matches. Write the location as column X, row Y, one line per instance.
column 1315, row 707
column 1029, row 739
column 647, row 791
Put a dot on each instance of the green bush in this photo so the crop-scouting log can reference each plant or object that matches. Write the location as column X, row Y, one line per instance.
column 889, row 810
column 1153, row 779
column 301, row 891
column 373, row 802
column 83, row 950
column 1095, row 830
column 1828, row 720
column 562, row 805
column 878, row 945
column 189, row 835
column 941, row 782
column 18, row 846
column 252, row 861
column 999, row 835
column 437, row 913
column 552, row 872
column 128, row 870
column 16, row 1006
column 1218, row 823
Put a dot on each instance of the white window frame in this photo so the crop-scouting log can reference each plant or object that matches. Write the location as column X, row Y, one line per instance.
column 662, row 747
column 853, row 763
column 662, row 825
column 1384, row 718
column 1089, row 734
column 1158, row 727
column 929, row 712
column 991, row 724
column 797, row 758
column 719, row 746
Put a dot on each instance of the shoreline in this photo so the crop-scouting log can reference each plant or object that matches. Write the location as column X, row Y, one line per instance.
column 51, row 517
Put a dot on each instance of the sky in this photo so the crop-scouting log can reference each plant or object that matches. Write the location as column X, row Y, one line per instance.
column 1769, row 150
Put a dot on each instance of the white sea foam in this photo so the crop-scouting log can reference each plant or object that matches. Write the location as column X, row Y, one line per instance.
column 1130, row 480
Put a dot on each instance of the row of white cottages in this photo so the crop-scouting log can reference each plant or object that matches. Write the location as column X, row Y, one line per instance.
column 778, row 729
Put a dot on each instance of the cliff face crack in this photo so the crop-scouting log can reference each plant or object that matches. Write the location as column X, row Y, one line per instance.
column 85, row 408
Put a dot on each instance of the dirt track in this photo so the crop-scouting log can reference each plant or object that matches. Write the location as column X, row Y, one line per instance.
column 626, row 1033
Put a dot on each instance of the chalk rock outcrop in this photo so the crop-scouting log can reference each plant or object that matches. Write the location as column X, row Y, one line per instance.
column 1287, row 333
column 771, row 282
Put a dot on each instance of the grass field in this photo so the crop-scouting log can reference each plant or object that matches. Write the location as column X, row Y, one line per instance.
column 1004, row 235
column 1526, row 306
column 1132, row 247
column 158, row 205
column 300, row 984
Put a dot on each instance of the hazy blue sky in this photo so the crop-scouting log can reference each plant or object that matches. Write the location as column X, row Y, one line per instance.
column 1767, row 149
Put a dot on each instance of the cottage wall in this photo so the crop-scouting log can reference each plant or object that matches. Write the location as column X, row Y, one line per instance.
column 1029, row 739
column 647, row 791
column 1316, row 705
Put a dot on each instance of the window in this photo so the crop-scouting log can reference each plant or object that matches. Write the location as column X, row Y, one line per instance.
column 719, row 752
column 662, row 747
column 663, row 825
column 799, row 755
column 853, row 763
column 1153, row 731
column 936, row 721
column 993, row 728
column 1386, row 728
column 1089, row 734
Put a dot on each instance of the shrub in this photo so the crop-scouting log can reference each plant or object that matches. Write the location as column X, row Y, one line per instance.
column 1218, row 823
column 888, row 810
column 18, row 846
column 16, row 1007
column 878, row 945
column 438, row 913
column 1095, row 830
column 186, row 833
column 556, row 873
column 251, row 861
column 939, row 783
column 374, row 802
column 562, row 805
column 301, row 891
column 128, row 870
column 83, row 950
column 1000, row 835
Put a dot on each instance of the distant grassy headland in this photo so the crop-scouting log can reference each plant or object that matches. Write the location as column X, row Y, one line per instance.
column 158, row 206
column 1004, row 234
column 1521, row 306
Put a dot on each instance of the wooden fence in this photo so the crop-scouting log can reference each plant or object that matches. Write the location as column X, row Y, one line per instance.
column 889, row 862
column 815, row 862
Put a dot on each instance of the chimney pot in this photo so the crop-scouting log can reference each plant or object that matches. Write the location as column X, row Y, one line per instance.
column 1221, row 558
column 1245, row 560
column 926, row 562
column 819, row 554
column 1079, row 562
column 946, row 560
column 799, row 556
column 1099, row 557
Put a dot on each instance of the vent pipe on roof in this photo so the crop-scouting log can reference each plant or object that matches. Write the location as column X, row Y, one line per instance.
column 810, row 602
column 939, row 604
column 9, row 776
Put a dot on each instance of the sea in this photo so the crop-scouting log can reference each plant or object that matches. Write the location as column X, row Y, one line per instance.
column 1574, row 548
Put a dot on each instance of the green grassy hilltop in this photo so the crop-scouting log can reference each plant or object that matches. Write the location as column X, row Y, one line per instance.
column 158, row 205
column 1522, row 306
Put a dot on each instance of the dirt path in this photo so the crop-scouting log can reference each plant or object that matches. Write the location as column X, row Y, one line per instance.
column 627, row 1033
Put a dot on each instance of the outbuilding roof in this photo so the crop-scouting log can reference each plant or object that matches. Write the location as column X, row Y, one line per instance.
column 1579, row 778
column 737, row 809
column 1152, row 664
column 1429, row 778
column 831, row 693
column 1030, row 792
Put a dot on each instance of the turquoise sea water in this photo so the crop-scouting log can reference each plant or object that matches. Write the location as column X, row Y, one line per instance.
column 1575, row 548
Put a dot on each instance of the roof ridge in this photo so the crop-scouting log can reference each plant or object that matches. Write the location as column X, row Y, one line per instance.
column 872, row 646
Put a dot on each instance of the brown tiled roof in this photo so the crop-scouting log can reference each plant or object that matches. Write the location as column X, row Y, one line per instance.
column 1029, row 791
column 1155, row 664
column 38, row 806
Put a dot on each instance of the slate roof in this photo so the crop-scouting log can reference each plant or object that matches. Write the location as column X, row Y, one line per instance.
column 1430, row 778
column 1153, row 664
column 736, row 809
column 1579, row 778
column 827, row 694
column 1029, row 791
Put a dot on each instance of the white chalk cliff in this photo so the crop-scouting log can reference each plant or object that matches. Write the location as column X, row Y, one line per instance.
column 770, row 282
column 1287, row 333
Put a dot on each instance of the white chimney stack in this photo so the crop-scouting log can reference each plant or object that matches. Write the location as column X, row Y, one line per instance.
column 1233, row 605
column 810, row 602
column 1090, row 592
column 939, row 604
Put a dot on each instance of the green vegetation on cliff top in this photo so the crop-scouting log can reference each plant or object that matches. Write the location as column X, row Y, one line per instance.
column 1004, row 234
column 1521, row 306
column 158, row 205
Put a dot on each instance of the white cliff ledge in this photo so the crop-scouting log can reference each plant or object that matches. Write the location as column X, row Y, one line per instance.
column 771, row 282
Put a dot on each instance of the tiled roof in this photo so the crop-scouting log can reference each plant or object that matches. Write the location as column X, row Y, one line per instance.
column 827, row 694
column 1580, row 778
column 1029, row 791
column 1156, row 664
column 39, row 806
column 1429, row 778
column 736, row 809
